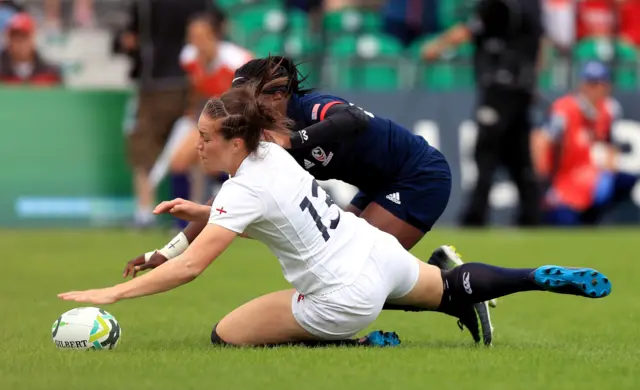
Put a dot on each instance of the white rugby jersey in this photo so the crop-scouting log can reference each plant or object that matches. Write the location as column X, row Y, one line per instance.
column 274, row 200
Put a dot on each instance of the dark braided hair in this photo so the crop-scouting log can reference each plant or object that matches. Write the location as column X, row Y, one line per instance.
column 273, row 68
column 245, row 115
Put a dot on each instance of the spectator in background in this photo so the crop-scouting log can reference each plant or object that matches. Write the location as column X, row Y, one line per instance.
column 409, row 20
column 629, row 21
column 210, row 63
column 156, row 34
column 560, row 23
column 605, row 18
column 20, row 62
column 8, row 8
column 507, row 36
column 82, row 13
column 574, row 152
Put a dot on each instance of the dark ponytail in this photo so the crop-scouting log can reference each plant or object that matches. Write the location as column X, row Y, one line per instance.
column 245, row 115
column 271, row 69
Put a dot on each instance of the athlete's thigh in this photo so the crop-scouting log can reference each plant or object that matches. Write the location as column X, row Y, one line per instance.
column 409, row 281
column 265, row 320
column 426, row 292
column 379, row 216
column 359, row 202
column 410, row 207
column 350, row 208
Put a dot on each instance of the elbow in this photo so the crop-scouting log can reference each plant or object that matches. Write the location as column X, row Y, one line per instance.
column 192, row 270
column 359, row 119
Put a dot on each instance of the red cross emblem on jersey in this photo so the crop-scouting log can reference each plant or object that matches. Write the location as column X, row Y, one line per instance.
column 221, row 210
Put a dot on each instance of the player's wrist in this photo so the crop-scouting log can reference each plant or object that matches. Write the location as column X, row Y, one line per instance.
column 117, row 292
column 174, row 248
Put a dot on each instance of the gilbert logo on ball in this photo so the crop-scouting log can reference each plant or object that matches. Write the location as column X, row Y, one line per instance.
column 86, row 328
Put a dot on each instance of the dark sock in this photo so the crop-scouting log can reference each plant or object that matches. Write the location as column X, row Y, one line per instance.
column 389, row 306
column 477, row 282
column 180, row 188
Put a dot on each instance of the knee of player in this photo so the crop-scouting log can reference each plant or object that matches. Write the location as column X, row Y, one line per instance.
column 215, row 337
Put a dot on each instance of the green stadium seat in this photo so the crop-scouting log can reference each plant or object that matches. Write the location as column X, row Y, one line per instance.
column 350, row 21
column 249, row 24
column 297, row 45
column 234, row 5
column 451, row 12
column 626, row 56
column 370, row 61
column 298, row 20
column 552, row 75
column 454, row 71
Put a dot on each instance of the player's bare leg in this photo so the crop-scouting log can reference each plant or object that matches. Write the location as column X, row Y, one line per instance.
column 378, row 216
column 269, row 321
column 353, row 209
column 408, row 236
column 264, row 320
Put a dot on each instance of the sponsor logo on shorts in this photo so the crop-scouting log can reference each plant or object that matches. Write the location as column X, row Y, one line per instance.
column 395, row 197
column 466, row 283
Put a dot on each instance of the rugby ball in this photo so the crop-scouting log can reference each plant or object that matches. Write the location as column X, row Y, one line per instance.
column 86, row 328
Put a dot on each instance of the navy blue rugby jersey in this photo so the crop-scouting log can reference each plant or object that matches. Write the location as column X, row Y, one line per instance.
column 369, row 160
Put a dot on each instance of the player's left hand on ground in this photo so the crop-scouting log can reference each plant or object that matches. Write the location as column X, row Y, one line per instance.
column 103, row 296
column 184, row 209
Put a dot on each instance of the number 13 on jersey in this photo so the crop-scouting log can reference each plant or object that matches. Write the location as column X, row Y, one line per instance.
column 309, row 204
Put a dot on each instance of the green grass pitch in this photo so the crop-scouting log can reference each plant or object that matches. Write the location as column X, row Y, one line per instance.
column 542, row 341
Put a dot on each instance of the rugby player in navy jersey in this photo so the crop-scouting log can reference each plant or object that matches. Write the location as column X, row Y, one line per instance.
column 404, row 183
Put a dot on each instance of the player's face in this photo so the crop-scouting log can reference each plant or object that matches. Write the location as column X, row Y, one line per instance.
column 596, row 91
column 202, row 37
column 278, row 100
column 216, row 153
column 20, row 45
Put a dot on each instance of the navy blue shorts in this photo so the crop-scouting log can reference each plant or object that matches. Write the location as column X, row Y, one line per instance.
column 418, row 196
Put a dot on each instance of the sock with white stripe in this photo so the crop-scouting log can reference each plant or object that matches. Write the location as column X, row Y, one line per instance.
column 477, row 282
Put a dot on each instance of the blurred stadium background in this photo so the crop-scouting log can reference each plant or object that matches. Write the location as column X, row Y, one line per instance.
column 64, row 149
column 64, row 166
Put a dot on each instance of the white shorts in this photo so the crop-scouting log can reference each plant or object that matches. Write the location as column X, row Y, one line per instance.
column 390, row 272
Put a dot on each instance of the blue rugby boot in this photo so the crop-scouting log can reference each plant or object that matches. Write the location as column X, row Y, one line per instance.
column 585, row 282
column 379, row 338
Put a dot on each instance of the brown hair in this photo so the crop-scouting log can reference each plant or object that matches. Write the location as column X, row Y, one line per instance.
column 245, row 114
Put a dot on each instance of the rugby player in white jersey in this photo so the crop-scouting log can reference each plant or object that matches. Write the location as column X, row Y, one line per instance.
column 342, row 269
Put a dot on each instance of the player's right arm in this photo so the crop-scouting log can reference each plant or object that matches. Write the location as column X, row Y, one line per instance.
column 330, row 121
column 175, row 247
